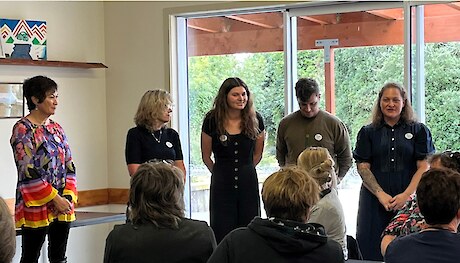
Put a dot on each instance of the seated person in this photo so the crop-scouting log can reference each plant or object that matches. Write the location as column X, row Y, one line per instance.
column 409, row 219
column 328, row 212
column 438, row 198
column 158, row 230
column 7, row 234
column 285, row 235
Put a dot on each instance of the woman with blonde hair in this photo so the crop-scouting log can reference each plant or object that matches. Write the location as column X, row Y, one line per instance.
column 151, row 139
column 318, row 163
column 285, row 236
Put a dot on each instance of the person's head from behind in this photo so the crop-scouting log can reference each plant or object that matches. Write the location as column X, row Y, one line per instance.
column 318, row 163
column 156, row 195
column 154, row 108
column 308, row 96
column 447, row 159
column 7, row 234
column 438, row 196
column 289, row 194
column 41, row 94
column 392, row 104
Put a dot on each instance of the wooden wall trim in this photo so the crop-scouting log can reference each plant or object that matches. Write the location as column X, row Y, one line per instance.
column 118, row 196
column 10, row 203
column 92, row 197
column 103, row 196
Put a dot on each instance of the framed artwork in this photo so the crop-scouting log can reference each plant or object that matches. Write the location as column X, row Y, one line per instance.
column 22, row 39
column 11, row 100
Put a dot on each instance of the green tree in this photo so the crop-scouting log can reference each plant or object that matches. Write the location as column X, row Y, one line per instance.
column 442, row 86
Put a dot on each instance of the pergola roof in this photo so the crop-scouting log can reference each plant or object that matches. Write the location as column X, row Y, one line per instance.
column 253, row 33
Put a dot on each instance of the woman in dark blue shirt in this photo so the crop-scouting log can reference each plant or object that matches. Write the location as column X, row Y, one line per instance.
column 391, row 157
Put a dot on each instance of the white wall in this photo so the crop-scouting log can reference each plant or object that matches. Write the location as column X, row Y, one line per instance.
column 96, row 106
column 75, row 32
column 136, row 53
column 137, row 37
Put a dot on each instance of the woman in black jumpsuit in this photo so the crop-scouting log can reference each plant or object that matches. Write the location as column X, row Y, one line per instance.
column 234, row 133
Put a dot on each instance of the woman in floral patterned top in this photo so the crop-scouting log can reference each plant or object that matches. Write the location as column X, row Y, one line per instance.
column 409, row 219
column 46, row 188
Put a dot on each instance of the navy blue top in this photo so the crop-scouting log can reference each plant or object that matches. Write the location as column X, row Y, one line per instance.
column 393, row 152
column 141, row 146
column 440, row 246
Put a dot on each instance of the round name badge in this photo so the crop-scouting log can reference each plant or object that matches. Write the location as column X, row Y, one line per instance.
column 318, row 137
column 169, row 144
column 223, row 138
column 409, row 135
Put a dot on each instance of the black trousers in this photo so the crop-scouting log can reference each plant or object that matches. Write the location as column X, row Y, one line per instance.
column 33, row 239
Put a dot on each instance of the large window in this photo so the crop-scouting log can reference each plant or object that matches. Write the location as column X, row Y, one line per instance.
column 351, row 49
column 441, row 45
column 351, row 54
column 248, row 46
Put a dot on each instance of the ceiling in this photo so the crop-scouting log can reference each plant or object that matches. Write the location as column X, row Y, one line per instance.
column 263, row 32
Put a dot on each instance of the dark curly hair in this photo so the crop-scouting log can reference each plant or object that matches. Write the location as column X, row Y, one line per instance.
column 38, row 87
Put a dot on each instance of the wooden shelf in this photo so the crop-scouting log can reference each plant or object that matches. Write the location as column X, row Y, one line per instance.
column 50, row 63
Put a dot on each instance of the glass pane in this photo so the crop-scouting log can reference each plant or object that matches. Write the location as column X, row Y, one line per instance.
column 369, row 53
column 248, row 46
column 442, row 83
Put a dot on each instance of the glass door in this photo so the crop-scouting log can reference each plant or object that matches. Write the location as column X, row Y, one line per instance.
column 351, row 52
column 248, row 46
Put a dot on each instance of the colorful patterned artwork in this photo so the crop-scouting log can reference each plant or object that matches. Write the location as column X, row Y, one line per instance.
column 24, row 39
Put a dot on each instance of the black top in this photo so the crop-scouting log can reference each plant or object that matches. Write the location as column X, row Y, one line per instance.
column 142, row 146
column 193, row 242
column 222, row 143
column 273, row 240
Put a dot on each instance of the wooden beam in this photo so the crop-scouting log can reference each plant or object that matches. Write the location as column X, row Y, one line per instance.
column 385, row 32
column 210, row 25
column 202, row 29
column 329, row 74
column 391, row 14
column 253, row 41
column 261, row 20
column 455, row 6
column 314, row 20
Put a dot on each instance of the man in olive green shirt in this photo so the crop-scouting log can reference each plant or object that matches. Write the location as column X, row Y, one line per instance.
column 311, row 126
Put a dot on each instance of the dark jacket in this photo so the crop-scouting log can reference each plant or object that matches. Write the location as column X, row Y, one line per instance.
column 273, row 240
column 193, row 242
